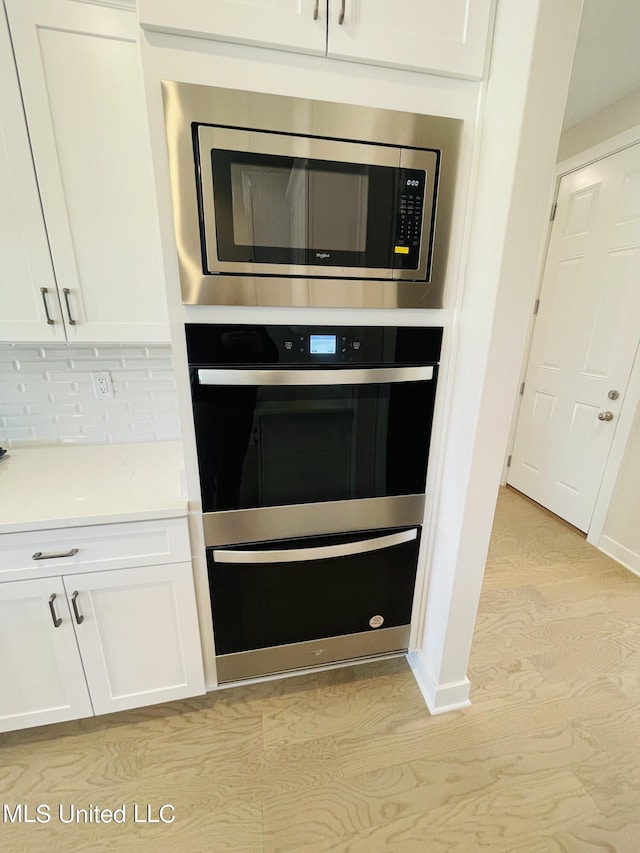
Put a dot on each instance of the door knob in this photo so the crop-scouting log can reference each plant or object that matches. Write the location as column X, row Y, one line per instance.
column 605, row 416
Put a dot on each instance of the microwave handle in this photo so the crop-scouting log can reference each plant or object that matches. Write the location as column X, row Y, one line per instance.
column 324, row 552
column 358, row 376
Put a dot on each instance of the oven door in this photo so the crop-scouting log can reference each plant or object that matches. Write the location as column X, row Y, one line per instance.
column 278, row 204
column 303, row 602
column 279, row 437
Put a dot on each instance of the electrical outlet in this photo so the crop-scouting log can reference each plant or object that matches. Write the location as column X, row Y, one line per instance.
column 102, row 386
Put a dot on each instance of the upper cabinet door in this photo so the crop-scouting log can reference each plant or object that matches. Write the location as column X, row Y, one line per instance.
column 298, row 25
column 84, row 101
column 440, row 36
column 27, row 284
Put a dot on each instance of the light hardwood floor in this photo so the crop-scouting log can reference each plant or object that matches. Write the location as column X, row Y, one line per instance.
column 546, row 759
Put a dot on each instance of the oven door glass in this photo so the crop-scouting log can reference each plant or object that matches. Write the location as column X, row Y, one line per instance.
column 281, row 437
column 291, row 591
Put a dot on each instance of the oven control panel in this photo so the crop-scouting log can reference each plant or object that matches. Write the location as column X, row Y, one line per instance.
column 356, row 345
column 254, row 345
column 323, row 344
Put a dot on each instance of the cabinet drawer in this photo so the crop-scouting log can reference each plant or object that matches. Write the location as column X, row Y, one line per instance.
column 42, row 553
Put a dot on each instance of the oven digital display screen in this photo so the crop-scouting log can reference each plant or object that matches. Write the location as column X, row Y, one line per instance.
column 322, row 344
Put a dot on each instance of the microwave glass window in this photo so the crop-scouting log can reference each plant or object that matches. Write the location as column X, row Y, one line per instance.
column 274, row 209
column 298, row 208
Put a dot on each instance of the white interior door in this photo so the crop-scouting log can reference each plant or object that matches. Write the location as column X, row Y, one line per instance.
column 585, row 340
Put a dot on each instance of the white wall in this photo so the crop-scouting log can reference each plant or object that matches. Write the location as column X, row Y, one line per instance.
column 531, row 64
column 621, row 535
column 617, row 118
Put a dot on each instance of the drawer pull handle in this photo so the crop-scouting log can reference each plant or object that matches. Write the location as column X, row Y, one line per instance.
column 56, row 555
column 74, row 604
column 57, row 621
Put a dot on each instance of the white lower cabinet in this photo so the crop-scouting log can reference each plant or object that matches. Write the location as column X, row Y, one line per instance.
column 137, row 632
column 79, row 642
column 40, row 668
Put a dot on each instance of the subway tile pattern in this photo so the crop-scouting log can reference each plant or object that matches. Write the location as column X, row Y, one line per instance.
column 47, row 396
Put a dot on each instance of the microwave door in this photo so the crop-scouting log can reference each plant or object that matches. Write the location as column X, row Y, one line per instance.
column 285, row 205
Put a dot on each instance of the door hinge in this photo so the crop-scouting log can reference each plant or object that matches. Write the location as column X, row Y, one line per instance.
column 536, row 305
column 553, row 211
column 509, row 461
column 522, row 389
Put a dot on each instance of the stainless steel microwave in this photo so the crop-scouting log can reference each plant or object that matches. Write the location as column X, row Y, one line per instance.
column 285, row 201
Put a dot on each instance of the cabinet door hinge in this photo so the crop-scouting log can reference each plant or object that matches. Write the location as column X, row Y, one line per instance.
column 536, row 305
column 522, row 389
column 553, row 211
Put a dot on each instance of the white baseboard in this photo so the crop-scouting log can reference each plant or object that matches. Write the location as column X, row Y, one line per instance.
column 628, row 558
column 440, row 698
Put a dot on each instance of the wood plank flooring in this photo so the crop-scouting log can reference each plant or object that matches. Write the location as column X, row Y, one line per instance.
column 547, row 759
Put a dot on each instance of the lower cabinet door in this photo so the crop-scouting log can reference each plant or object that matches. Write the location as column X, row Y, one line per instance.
column 137, row 630
column 41, row 675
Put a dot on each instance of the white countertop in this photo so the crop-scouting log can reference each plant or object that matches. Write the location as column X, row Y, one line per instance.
column 46, row 487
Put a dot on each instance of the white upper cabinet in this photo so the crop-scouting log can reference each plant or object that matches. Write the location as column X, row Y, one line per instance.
column 438, row 36
column 27, row 283
column 441, row 36
column 84, row 102
column 299, row 25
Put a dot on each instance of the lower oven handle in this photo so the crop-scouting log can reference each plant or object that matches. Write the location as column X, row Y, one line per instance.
column 313, row 376
column 325, row 552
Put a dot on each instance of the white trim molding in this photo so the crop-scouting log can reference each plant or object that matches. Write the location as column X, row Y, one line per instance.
column 621, row 554
column 440, row 698
column 597, row 152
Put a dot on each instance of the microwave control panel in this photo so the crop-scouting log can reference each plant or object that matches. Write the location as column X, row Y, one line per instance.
column 410, row 209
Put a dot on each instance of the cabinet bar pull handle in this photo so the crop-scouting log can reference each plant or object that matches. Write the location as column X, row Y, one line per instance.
column 39, row 555
column 57, row 621
column 316, row 9
column 74, row 604
column 66, row 292
column 44, row 291
column 341, row 15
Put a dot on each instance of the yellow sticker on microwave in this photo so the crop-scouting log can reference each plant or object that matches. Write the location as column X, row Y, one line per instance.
column 401, row 250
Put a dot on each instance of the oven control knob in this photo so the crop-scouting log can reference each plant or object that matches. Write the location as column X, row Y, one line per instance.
column 376, row 621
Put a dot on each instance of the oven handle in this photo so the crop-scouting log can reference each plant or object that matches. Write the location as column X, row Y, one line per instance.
column 337, row 376
column 325, row 552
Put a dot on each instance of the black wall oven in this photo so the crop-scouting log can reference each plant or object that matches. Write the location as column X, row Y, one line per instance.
column 312, row 449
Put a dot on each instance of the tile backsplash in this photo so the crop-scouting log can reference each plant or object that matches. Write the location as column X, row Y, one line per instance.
column 47, row 395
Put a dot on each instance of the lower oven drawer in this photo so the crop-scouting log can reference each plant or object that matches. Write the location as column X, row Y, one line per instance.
column 273, row 601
